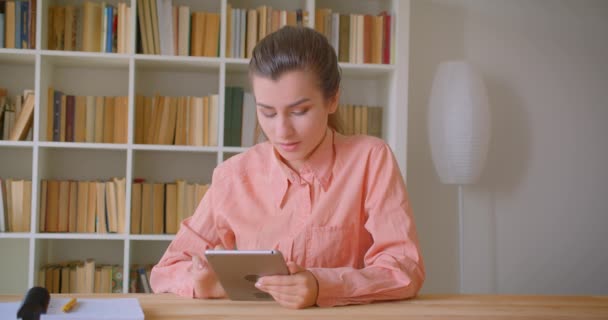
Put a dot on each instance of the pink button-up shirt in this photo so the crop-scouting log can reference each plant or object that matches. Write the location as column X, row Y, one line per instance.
column 345, row 216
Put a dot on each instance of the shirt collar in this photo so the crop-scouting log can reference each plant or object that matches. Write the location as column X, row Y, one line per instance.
column 319, row 165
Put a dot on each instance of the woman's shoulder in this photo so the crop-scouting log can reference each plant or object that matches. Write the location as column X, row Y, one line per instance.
column 254, row 159
column 358, row 144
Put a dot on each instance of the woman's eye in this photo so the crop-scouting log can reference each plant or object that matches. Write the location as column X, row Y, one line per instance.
column 299, row 112
column 269, row 115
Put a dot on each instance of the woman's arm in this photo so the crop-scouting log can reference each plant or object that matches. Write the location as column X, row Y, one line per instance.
column 183, row 269
column 393, row 266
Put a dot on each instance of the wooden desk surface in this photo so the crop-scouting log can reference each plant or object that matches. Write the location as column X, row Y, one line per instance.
column 168, row 306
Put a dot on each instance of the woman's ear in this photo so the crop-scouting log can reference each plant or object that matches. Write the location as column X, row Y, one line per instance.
column 332, row 102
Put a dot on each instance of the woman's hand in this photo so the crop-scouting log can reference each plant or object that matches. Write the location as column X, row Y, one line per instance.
column 205, row 281
column 297, row 290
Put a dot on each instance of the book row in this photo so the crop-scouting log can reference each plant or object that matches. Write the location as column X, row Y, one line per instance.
column 90, row 277
column 81, row 277
column 99, row 206
column 168, row 29
column 357, row 38
column 16, row 116
column 15, row 205
column 176, row 120
column 98, row 119
column 92, row 27
column 361, row 119
column 18, row 24
column 245, row 27
column 83, row 206
column 159, row 208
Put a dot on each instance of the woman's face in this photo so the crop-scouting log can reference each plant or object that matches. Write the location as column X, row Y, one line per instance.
column 292, row 113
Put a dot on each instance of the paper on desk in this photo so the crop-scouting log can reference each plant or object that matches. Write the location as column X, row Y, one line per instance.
column 85, row 309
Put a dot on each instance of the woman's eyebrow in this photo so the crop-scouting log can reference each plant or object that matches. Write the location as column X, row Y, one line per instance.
column 293, row 104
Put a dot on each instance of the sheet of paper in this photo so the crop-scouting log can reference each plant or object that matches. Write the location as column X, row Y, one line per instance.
column 85, row 309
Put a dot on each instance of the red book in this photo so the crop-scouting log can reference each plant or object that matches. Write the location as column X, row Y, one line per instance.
column 386, row 38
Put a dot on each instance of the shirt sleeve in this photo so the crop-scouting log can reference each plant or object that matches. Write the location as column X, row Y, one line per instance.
column 393, row 267
column 203, row 230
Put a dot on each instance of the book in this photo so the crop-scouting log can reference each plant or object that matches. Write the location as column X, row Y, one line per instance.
column 24, row 122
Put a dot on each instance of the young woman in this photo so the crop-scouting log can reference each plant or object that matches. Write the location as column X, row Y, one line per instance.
column 336, row 206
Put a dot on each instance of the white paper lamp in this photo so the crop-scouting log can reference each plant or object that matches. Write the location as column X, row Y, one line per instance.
column 459, row 123
column 459, row 131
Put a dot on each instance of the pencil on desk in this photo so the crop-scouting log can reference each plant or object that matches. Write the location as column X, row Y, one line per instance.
column 69, row 305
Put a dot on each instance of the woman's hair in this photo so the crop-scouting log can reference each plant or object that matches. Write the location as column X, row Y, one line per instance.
column 303, row 49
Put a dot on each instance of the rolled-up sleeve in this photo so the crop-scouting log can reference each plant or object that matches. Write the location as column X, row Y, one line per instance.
column 203, row 230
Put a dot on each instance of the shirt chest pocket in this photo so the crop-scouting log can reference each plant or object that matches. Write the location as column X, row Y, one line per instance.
column 331, row 247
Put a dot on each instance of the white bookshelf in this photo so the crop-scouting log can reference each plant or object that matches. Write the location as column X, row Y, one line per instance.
column 85, row 73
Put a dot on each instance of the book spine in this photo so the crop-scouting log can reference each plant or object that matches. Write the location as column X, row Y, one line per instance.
column 1, row 28
column 25, row 22
column 17, row 25
column 57, row 116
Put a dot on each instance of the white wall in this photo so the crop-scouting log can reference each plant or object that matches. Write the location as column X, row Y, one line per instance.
column 536, row 221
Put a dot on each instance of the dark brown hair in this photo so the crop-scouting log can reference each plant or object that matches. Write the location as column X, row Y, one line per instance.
column 304, row 49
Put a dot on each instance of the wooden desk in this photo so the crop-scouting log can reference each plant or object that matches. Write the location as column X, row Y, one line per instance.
column 168, row 306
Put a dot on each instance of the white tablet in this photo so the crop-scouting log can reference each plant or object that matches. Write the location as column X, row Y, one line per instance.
column 238, row 270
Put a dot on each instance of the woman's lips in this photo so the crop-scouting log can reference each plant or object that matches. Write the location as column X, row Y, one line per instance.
column 289, row 146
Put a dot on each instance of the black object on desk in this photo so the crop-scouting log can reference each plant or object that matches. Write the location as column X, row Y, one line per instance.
column 35, row 303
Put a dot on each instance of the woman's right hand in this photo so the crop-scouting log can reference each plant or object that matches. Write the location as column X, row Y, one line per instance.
column 205, row 281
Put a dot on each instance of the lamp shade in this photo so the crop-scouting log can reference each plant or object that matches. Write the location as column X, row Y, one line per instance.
column 458, row 123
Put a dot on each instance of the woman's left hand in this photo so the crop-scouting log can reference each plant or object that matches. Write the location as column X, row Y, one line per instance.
column 297, row 290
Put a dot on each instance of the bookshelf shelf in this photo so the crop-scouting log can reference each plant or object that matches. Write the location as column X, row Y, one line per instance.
column 17, row 56
column 81, row 236
column 152, row 237
column 170, row 148
column 77, row 145
column 131, row 74
column 15, row 235
column 16, row 144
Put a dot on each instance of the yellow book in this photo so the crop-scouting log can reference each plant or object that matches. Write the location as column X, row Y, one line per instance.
column 111, row 209
column 72, row 206
column 101, row 224
column 171, row 208
column 136, row 202
column 91, row 207
column 99, row 121
column 80, row 119
column 146, row 208
column 82, row 206
column 108, row 120
column 158, row 210
column 43, row 200
column 64, row 206
column 121, row 193
column 24, row 120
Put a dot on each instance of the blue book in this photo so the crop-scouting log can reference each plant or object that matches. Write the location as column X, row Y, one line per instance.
column 1, row 30
column 25, row 25
column 57, row 95
column 17, row 26
column 110, row 17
